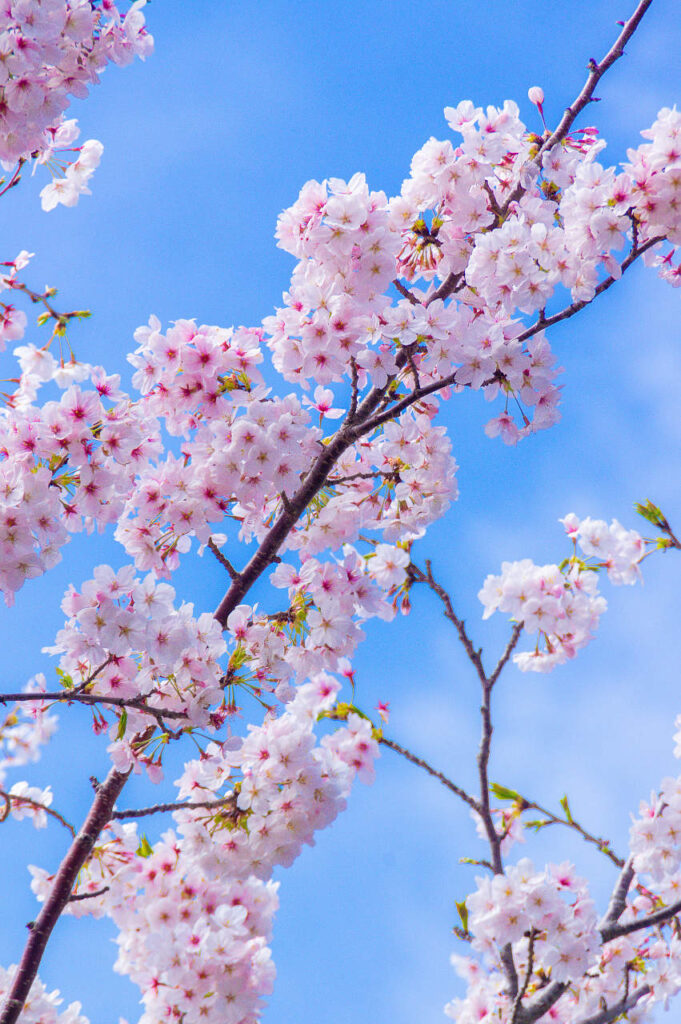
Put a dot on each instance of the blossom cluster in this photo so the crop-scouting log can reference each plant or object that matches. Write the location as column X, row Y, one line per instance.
column 25, row 730
column 125, row 638
column 49, row 52
column 195, row 911
column 549, row 922
column 562, row 603
column 525, row 901
column 394, row 305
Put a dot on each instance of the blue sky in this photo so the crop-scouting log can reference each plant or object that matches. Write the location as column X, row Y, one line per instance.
column 204, row 145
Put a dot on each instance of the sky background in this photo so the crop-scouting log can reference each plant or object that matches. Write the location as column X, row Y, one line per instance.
column 204, row 145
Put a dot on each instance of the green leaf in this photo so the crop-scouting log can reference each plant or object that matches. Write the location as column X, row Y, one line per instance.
column 566, row 807
column 537, row 823
column 145, row 849
column 122, row 725
column 43, row 318
column 463, row 913
column 651, row 512
column 502, row 793
column 65, row 679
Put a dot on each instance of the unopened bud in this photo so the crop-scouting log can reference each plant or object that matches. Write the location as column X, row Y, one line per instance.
column 536, row 95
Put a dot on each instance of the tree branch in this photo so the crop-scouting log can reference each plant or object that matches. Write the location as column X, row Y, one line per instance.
column 419, row 576
column 613, row 931
column 9, row 797
column 553, row 819
column 87, row 895
column 363, row 423
column 471, row 801
column 619, row 895
column 222, row 559
column 596, row 72
column 510, row 646
column 611, row 1013
column 541, row 1002
column 81, row 847
column 137, row 703
column 570, row 311
column 517, row 1003
column 180, row 806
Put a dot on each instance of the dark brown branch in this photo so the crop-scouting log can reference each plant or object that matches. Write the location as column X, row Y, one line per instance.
column 363, row 423
column 222, row 559
column 62, row 887
column 471, row 801
column 451, row 284
column 162, row 808
column 354, row 378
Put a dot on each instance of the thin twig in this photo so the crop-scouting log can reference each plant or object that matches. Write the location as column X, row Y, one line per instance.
column 471, row 801
column 602, row 844
column 596, row 72
column 570, row 311
column 9, row 797
column 137, row 703
column 503, row 660
column 419, row 576
column 87, row 895
column 163, row 808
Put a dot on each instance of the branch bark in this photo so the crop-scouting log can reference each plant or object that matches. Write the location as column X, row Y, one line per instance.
column 41, row 929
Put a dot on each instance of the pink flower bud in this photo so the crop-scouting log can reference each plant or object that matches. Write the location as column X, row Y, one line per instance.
column 536, row 95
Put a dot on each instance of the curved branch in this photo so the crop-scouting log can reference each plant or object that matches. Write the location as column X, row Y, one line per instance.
column 613, row 931
column 9, row 797
column 60, row 893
